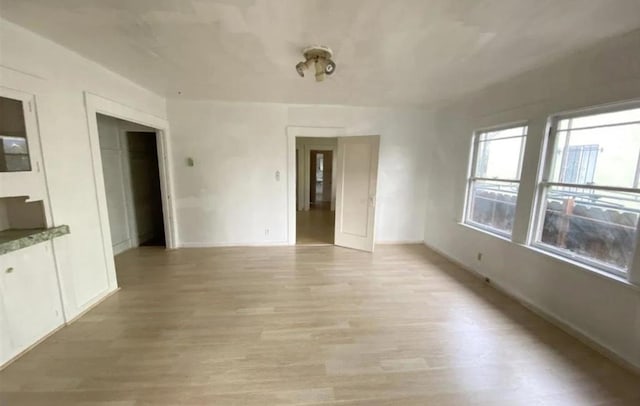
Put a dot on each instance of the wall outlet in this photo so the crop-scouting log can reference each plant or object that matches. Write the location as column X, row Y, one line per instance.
column 479, row 256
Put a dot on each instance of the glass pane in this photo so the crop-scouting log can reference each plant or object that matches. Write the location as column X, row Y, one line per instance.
column 598, row 226
column 14, row 152
column 499, row 159
column 14, row 145
column 493, row 204
column 16, row 163
column 615, row 117
column 507, row 132
column 606, row 156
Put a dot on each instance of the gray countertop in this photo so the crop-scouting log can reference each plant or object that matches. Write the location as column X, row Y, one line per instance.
column 15, row 239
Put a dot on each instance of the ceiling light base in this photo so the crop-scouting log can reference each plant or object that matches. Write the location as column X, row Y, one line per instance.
column 315, row 52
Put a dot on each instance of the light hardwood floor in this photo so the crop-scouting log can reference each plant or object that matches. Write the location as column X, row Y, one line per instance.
column 315, row 226
column 309, row 325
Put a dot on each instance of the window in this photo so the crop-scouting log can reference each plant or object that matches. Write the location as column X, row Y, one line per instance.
column 590, row 200
column 495, row 178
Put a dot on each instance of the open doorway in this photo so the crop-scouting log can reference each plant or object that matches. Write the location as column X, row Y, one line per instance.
column 131, row 174
column 145, row 185
column 353, row 183
column 315, row 216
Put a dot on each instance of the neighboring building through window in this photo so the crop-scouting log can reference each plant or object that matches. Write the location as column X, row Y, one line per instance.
column 590, row 196
column 495, row 179
column 580, row 164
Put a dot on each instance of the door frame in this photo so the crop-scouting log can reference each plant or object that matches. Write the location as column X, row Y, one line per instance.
column 96, row 104
column 312, row 132
column 292, row 133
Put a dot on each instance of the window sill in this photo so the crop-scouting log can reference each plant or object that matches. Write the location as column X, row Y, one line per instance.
column 487, row 230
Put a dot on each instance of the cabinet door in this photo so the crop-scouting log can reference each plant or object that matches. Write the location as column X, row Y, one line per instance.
column 20, row 169
column 30, row 297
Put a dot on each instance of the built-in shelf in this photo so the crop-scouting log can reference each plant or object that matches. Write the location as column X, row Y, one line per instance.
column 15, row 239
column 23, row 223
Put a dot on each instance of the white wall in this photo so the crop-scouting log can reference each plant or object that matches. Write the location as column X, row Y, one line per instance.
column 58, row 78
column 602, row 309
column 231, row 195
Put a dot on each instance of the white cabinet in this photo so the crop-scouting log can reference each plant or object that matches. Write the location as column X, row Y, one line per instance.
column 20, row 155
column 30, row 305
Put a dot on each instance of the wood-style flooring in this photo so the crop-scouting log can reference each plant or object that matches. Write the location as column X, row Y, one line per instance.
column 313, row 326
column 315, row 226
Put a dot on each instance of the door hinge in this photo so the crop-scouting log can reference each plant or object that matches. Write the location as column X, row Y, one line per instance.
column 30, row 108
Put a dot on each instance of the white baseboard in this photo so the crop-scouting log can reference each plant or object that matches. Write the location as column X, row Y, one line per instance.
column 17, row 356
column 122, row 247
column 557, row 321
column 91, row 304
column 399, row 242
column 87, row 307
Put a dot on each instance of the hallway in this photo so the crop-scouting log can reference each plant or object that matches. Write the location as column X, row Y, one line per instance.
column 316, row 226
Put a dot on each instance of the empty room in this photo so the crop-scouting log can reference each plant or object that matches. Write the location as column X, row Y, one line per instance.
column 319, row 202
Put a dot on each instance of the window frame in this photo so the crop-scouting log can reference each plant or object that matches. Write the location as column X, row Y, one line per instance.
column 543, row 184
column 472, row 179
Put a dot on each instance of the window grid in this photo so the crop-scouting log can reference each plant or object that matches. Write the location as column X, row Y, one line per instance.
column 603, row 231
column 491, row 200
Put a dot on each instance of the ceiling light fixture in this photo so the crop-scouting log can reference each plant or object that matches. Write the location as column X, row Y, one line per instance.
column 320, row 57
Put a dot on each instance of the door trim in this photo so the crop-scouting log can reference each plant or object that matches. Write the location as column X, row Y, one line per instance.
column 311, row 132
column 292, row 133
column 97, row 104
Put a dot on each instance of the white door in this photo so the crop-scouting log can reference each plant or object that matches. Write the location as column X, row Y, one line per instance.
column 356, row 178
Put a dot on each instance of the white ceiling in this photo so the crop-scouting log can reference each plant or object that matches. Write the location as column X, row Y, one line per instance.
column 388, row 52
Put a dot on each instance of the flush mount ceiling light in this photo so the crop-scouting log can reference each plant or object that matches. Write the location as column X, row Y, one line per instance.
column 320, row 57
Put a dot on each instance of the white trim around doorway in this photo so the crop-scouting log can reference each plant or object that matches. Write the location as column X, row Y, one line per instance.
column 97, row 104
column 292, row 133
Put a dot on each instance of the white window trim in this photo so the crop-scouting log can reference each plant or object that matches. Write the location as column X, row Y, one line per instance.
column 471, row 179
column 543, row 183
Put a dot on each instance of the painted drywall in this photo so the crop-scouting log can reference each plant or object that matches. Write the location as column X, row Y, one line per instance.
column 231, row 196
column 602, row 309
column 59, row 78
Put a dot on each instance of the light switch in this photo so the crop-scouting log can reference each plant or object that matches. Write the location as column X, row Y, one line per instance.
column 277, row 176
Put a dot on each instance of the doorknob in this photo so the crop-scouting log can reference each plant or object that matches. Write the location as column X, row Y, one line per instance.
column 9, row 270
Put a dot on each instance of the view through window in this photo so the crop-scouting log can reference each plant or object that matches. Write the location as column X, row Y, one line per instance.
column 495, row 178
column 591, row 201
